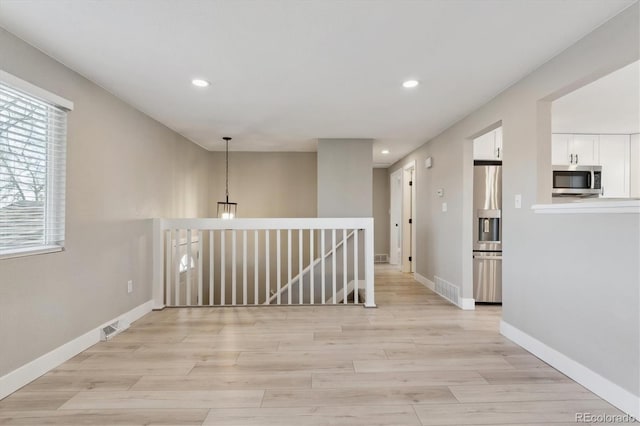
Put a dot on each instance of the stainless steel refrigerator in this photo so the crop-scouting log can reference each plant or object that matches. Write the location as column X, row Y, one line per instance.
column 487, row 231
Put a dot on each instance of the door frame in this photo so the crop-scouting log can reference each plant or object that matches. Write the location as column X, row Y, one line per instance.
column 395, row 233
column 406, row 266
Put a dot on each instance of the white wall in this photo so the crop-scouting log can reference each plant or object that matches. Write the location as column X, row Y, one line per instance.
column 266, row 184
column 571, row 282
column 381, row 210
column 345, row 181
column 122, row 169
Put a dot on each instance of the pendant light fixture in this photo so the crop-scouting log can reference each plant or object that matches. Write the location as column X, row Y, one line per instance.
column 227, row 209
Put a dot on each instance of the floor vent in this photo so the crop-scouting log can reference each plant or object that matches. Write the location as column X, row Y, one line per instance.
column 109, row 331
column 447, row 290
column 381, row 258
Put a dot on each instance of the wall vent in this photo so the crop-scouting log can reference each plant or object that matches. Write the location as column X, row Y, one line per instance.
column 109, row 331
column 381, row 258
column 447, row 290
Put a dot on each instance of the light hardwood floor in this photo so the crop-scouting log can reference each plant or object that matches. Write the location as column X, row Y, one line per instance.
column 415, row 360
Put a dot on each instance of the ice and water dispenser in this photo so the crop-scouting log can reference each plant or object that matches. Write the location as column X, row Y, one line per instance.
column 488, row 226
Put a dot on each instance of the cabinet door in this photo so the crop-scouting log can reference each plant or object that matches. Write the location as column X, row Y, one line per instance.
column 584, row 149
column 498, row 143
column 484, row 147
column 614, row 159
column 560, row 150
column 634, row 166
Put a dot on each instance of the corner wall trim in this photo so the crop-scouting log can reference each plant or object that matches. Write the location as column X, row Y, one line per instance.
column 467, row 303
column 605, row 389
column 27, row 373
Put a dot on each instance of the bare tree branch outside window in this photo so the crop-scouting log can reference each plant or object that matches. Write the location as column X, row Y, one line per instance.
column 23, row 172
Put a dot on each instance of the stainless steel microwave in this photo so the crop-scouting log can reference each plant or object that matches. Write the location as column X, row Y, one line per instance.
column 580, row 181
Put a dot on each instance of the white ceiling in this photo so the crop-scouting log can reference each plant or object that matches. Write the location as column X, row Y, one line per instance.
column 608, row 105
column 285, row 73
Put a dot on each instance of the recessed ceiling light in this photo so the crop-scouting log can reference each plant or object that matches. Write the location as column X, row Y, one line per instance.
column 198, row 82
column 385, row 151
column 409, row 84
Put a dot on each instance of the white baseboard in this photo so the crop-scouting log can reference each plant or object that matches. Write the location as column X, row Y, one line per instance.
column 24, row 375
column 605, row 389
column 425, row 281
column 467, row 304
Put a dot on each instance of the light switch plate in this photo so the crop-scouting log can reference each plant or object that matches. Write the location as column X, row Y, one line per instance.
column 518, row 201
column 444, row 207
column 428, row 162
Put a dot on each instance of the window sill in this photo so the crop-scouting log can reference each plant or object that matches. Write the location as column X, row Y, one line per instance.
column 590, row 207
column 31, row 251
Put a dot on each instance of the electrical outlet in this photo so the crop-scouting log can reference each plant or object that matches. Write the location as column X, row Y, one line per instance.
column 129, row 286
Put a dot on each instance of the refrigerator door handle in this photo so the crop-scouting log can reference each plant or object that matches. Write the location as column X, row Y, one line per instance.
column 485, row 257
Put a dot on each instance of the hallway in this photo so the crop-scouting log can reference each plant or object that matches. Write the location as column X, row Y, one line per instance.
column 415, row 360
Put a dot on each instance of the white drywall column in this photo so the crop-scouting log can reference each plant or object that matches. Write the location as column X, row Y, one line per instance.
column 345, row 177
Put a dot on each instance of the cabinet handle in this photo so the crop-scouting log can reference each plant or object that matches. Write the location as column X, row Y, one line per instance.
column 571, row 160
column 576, row 158
column 498, row 152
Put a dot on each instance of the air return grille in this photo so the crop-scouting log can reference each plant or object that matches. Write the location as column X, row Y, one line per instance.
column 109, row 331
column 447, row 290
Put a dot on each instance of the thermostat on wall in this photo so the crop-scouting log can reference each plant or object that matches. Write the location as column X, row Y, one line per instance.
column 440, row 192
column 427, row 162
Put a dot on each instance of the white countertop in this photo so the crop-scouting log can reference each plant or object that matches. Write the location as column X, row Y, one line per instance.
column 598, row 205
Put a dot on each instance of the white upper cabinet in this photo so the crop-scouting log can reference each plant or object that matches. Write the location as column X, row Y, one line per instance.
column 488, row 146
column 498, row 150
column 619, row 156
column 634, row 166
column 574, row 149
column 614, row 159
column 584, row 149
column 560, row 149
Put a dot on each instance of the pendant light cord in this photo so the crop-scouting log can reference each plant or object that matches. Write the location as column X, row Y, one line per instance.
column 227, row 139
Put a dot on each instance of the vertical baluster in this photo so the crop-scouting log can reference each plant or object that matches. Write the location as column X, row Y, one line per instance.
column 267, row 272
column 255, row 267
column 289, row 265
column 168, row 261
column 369, row 271
column 322, row 266
column 211, row 267
column 355, row 266
column 278, row 267
column 300, row 259
column 176, row 262
column 244, row 267
column 311, row 269
column 345, row 277
column 233, row 267
column 223, row 269
column 188, row 282
column 199, row 260
column 333, row 264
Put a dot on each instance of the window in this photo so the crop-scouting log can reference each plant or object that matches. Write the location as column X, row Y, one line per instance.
column 32, row 168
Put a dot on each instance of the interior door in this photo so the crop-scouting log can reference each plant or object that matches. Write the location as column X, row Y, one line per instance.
column 407, row 219
column 395, row 214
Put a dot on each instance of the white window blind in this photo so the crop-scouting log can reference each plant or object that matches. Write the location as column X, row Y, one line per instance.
column 32, row 172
